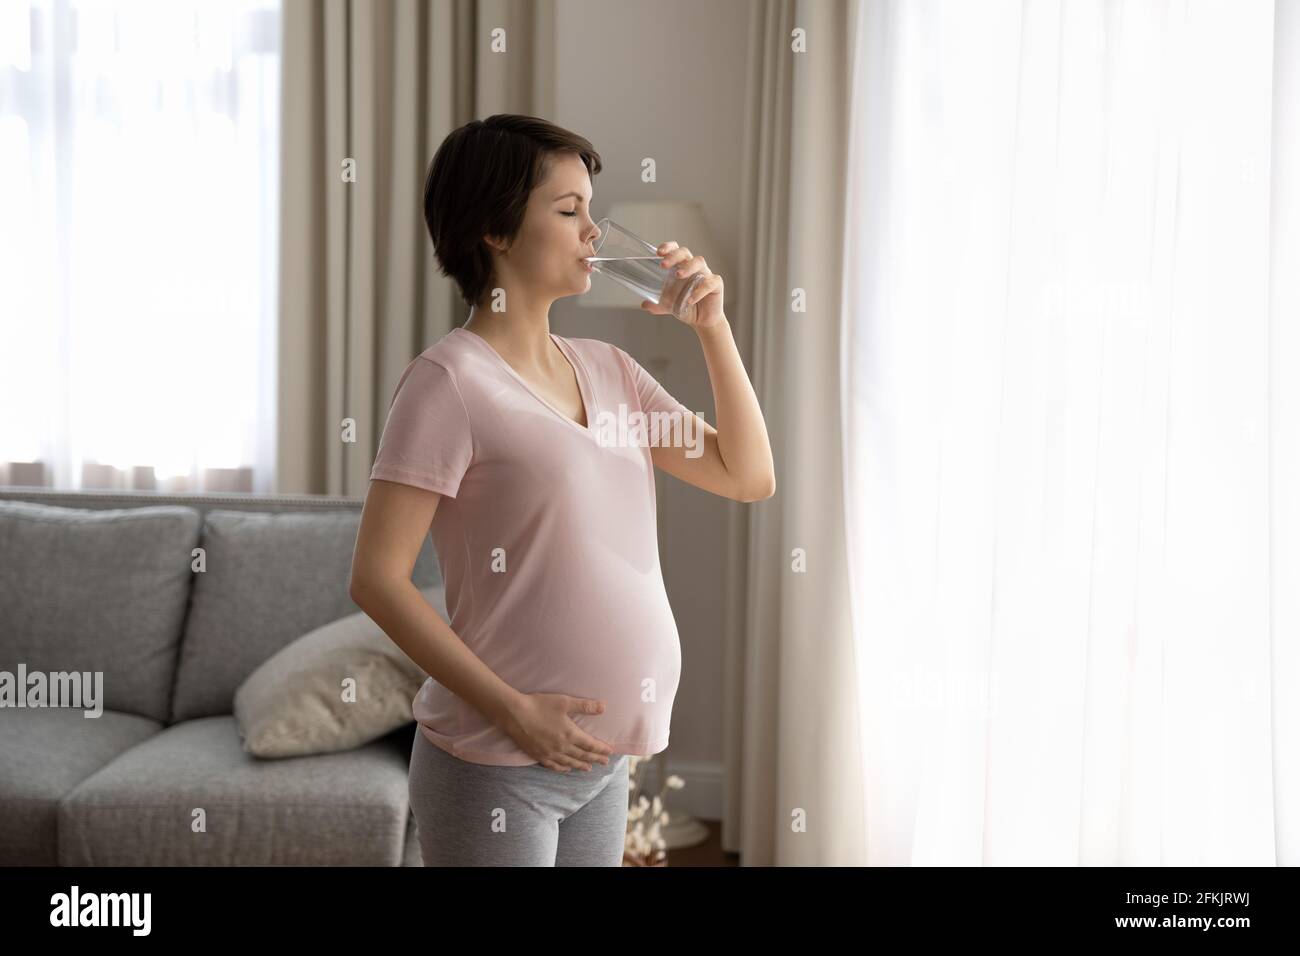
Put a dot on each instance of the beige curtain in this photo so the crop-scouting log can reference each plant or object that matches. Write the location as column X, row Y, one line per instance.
column 380, row 83
column 794, row 793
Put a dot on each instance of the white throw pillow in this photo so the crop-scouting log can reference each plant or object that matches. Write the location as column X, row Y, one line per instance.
column 294, row 703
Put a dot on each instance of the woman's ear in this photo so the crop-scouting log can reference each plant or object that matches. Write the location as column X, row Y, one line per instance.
column 496, row 244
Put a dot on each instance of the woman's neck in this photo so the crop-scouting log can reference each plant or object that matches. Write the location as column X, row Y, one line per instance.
column 525, row 342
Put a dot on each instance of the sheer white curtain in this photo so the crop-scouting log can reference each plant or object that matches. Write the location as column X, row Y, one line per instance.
column 138, row 198
column 1069, row 519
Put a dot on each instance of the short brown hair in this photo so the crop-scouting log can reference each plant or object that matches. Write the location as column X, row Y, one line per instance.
column 478, row 185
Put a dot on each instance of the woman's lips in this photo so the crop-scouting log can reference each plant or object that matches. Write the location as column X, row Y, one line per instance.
column 585, row 265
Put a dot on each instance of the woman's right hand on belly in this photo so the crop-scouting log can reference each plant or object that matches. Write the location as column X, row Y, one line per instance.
column 541, row 726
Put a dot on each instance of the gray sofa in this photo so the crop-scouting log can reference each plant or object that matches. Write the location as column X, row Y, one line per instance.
column 102, row 582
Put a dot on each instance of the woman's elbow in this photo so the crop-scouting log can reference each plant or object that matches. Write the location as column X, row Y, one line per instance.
column 356, row 590
column 361, row 587
column 765, row 489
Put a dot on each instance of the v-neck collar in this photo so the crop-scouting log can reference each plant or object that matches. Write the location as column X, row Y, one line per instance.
column 579, row 373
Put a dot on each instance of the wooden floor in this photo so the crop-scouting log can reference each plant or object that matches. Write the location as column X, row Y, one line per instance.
column 708, row 853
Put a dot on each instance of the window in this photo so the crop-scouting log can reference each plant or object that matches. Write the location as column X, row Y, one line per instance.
column 138, row 242
column 1071, row 428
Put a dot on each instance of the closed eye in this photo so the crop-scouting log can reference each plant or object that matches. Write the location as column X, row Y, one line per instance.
column 574, row 213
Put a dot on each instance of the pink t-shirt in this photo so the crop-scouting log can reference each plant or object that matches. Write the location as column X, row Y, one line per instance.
column 546, row 536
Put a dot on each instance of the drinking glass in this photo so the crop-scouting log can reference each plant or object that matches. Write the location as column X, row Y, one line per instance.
column 633, row 263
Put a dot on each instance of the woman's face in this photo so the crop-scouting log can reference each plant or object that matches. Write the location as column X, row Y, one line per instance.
column 557, row 232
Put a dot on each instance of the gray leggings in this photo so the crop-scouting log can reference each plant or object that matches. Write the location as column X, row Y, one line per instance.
column 471, row 814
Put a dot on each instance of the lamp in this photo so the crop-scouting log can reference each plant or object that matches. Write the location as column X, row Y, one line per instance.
column 655, row 221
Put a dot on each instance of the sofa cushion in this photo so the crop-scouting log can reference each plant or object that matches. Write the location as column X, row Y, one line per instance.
column 344, row 809
column 269, row 579
column 293, row 704
column 87, row 590
column 45, row 752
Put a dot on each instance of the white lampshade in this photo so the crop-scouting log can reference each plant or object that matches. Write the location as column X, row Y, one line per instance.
column 656, row 221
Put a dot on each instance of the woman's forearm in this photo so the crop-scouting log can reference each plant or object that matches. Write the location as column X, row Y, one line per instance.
column 412, row 624
column 742, row 433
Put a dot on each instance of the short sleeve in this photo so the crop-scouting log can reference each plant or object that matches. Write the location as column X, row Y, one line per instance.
column 652, row 396
column 426, row 440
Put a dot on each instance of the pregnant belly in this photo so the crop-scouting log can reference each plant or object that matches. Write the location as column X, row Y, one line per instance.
column 636, row 678
column 629, row 658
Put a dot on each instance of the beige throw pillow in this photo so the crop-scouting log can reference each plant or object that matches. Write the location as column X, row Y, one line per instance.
column 296, row 703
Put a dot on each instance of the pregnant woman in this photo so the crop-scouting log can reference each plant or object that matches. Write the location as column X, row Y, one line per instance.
column 561, row 656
